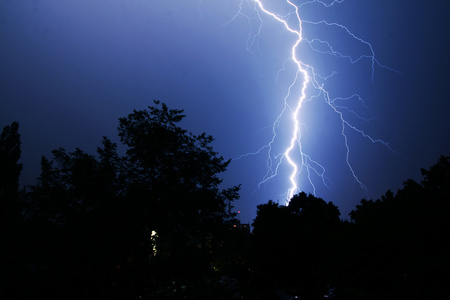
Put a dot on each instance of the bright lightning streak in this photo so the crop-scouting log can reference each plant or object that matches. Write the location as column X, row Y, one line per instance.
column 309, row 77
column 294, row 114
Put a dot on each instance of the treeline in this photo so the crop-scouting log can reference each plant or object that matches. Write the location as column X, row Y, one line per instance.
column 393, row 248
column 155, row 224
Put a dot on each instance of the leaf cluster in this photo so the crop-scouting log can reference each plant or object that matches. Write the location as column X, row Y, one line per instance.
column 136, row 218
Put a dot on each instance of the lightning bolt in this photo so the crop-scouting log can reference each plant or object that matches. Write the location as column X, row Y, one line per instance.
column 306, row 77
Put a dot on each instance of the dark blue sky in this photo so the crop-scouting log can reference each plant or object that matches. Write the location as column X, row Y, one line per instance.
column 70, row 69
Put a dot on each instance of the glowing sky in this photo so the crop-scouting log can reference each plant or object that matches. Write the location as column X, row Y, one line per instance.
column 69, row 69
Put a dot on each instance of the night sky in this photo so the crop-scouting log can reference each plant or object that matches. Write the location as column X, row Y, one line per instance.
column 70, row 69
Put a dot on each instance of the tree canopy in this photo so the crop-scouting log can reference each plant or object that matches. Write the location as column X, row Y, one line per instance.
column 154, row 222
column 9, row 166
column 399, row 242
column 293, row 244
column 106, row 215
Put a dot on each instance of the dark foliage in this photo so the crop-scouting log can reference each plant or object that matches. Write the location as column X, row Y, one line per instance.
column 394, row 247
column 9, row 192
column 292, row 245
column 398, row 243
column 117, row 227
column 9, row 167
column 154, row 224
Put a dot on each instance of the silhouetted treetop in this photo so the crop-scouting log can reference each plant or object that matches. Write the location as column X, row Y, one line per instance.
column 160, row 149
column 155, row 214
column 437, row 179
column 155, row 223
column 9, row 157
column 313, row 209
column 400, row 241
column 293, row 244
column 413, row 200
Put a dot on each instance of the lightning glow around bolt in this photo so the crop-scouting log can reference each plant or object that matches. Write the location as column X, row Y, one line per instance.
column 307, row 77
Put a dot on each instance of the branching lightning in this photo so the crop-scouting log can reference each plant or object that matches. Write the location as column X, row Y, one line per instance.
column 306, row 77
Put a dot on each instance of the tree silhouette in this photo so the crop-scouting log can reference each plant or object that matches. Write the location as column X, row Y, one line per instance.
column 155, row 223
column 11, row 227
column 175, row 171
column 399, row 248
column 142, row 224
column 9, row 168
column 172, row 176
column 293, row 245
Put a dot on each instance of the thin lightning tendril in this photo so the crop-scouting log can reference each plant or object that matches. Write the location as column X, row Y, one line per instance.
column 309, row 77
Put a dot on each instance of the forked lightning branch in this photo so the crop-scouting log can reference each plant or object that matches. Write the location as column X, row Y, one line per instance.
column 293, row 156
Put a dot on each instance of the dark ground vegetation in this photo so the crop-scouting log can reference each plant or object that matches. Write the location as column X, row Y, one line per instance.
column 154, row 224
